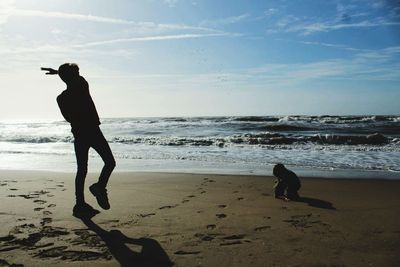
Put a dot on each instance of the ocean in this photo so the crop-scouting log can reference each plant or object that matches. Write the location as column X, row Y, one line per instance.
column 327, row 146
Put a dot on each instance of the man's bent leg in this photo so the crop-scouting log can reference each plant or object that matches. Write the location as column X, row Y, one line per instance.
column 99, row 189
column 101, row 146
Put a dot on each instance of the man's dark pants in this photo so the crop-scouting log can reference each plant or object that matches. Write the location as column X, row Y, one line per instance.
column 85, row 139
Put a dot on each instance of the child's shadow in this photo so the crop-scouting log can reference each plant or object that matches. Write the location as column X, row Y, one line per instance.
column 151, row 254
column 314, row 202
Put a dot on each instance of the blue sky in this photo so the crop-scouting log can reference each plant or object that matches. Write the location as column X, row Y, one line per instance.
column 203, row 57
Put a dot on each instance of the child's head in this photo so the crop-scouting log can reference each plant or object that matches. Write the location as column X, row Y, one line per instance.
column 278, row 169
column 68, row 72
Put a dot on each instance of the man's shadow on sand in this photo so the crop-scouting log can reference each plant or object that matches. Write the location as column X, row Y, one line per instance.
column 314, row 202
column 151, row 254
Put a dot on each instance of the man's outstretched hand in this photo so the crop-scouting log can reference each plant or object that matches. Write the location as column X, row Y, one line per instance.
column 50, row 71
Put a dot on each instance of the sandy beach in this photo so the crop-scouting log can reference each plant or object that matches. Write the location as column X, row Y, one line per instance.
column 165, row 219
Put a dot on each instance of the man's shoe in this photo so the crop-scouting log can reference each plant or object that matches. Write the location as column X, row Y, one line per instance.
column 84, row 211
column 101, row 195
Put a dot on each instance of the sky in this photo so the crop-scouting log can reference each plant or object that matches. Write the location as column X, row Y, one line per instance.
column 203, row 57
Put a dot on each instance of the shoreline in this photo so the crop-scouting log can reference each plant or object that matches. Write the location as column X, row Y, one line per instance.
column 334, row 175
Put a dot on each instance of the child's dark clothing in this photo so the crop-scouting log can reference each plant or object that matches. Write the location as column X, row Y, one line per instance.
column 288, row 181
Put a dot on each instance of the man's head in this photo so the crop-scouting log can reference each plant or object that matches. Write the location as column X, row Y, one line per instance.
column 278, row 169
column 68, row 72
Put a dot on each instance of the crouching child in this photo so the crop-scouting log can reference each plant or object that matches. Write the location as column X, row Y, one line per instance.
column 287, row 184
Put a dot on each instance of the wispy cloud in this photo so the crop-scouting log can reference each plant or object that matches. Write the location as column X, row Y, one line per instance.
column 330, row 45
column 382, row 64
column 327, row 26
column 270, row 11
column 225, row 21
column 154, row 38
column 350, row 16
column 11, row 11
column 267, row 13
column 307, row 26
column 390, row 7
column 62, row 15
column 374, row 65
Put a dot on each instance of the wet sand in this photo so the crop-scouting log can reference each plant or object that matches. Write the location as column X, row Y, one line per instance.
column 160, row 219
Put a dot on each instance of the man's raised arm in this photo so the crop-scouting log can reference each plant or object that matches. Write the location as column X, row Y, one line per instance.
column 50, row 71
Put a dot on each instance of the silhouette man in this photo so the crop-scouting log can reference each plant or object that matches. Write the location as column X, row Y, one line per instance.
column 77, row 107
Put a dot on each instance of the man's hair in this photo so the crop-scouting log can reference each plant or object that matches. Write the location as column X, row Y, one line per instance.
column 278, row 168
column 68, row 71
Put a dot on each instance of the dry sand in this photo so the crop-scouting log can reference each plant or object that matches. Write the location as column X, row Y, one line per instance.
column 159, row 219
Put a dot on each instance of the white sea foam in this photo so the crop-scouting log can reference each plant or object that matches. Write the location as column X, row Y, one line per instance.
column 246, row 144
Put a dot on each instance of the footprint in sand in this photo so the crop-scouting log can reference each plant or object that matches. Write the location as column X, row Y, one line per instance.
column 114, row 220
column 233, row 237
column 262, row 228
column 46, row 212
column 232, row 240
column 182, row 252
column 211, row 226
column 46, row 221
column 237, row 242
column 205, row 237
column 191, row 196
column 40, row 192
column 221, row 215
column 222, row 206
column 30, row 196
column 72, row 255
column 168, row 207
column 301, row 221
column 206, row 180
column 185, row 201
column 240, row 198
column 13, row 189
column 40, row 201
column 51, row 205
column 146, row 215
